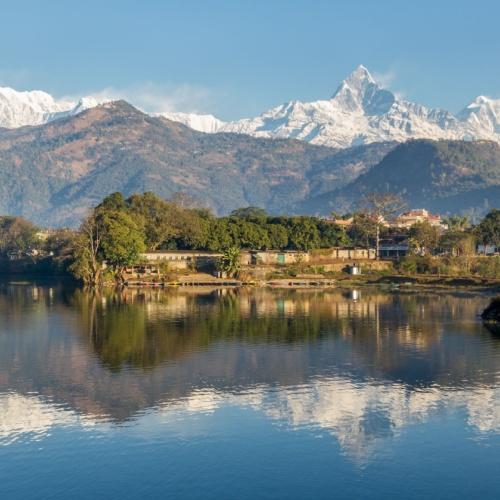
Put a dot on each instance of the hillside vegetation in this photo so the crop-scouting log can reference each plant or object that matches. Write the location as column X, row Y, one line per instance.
column 444, row 176
column 52, row 174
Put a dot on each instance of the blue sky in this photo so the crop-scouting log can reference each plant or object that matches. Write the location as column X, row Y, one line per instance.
column 237, row 58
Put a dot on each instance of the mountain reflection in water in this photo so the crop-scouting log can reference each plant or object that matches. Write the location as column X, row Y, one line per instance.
column 360, row 369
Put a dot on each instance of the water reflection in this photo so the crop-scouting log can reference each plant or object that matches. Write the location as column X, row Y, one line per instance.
column 360, row 366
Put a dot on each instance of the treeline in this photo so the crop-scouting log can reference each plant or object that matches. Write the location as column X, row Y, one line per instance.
column 119, row 229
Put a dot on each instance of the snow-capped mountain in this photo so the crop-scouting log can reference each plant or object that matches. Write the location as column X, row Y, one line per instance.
column 35, row 107
column 203, row 123
column 359, row 112
column 362, row 112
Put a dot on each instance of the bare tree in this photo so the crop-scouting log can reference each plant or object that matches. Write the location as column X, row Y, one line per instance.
column 87, row 265
column 381, row 207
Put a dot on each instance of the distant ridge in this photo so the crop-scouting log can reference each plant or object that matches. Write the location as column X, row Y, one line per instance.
column 443, row 176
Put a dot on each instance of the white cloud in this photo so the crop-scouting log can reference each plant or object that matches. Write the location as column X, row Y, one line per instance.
column 154, row 98
column 385, row 79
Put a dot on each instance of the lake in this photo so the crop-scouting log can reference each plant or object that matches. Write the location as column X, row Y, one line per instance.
column 244, row 394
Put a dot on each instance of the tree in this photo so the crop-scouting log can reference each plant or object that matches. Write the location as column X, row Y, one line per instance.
column 278, row 236
column 61, row 244
column 331, row 235
column 230, row 261
column 122, row 240
column 457, row 242
column 249, row 213
column 303, row 233
column 488, row 230
column 363, row 230
column 106, row 237
column 164, row 222
column 16, row 235
column 88, row 265
column 457, row 222
column 381, row 207
column 424, row 238
column 114, row 201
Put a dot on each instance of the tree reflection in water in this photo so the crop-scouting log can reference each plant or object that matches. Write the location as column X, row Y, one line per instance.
column 361, row 365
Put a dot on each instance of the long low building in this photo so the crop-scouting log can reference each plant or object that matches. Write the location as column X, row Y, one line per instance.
column 180, row 259
column 185, row 259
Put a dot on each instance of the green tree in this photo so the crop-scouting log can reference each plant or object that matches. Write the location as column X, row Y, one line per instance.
column 332, row 235
column 488, row 230
column 424, row 238
column 303, row 233
column 249, row 213
column 122, row 241
column 16, row 235
column 230, row 261
column 363, row 230
column 278, row 236
column 114, row 201
column 457, row 222
column 106, row 237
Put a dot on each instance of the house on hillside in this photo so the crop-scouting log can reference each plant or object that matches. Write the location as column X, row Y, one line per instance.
column 417, row 216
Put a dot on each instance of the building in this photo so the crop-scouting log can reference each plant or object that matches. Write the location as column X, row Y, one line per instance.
column 345, row 223
column 181, row 259
column 276, row 257
column 417, row 216
column 342, row 253
column 394, row 248
column 487, row 250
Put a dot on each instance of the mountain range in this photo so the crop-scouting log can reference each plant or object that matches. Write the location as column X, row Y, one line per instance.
column 58, row 158
column 53, row 173
column 360, row 112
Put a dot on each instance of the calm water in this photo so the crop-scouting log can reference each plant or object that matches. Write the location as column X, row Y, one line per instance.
column 246, row 394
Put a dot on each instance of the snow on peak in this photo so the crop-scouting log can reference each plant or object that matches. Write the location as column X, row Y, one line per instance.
column 361, row 111
column 27, row 107
column 202, row 123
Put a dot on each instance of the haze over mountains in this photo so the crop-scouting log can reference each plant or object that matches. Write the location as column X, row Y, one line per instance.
column 359, row 112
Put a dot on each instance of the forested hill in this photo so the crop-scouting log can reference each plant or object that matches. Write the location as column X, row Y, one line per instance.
column 444, row 176
column 53, row 173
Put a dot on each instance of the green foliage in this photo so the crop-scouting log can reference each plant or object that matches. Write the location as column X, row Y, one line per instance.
column 114, row 201
column 16, row 235
column 442, row 175
column 488, row 267
column 230, row 261
column 418, row 264
column 363, row 230
column 488, row 231
column 458, row 242
column 122, row 241
column 249, row 213
column 303, row 233
column 423, row 238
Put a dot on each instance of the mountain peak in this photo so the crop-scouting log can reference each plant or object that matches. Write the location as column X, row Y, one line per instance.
column 360, row 93
column 360, row 75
